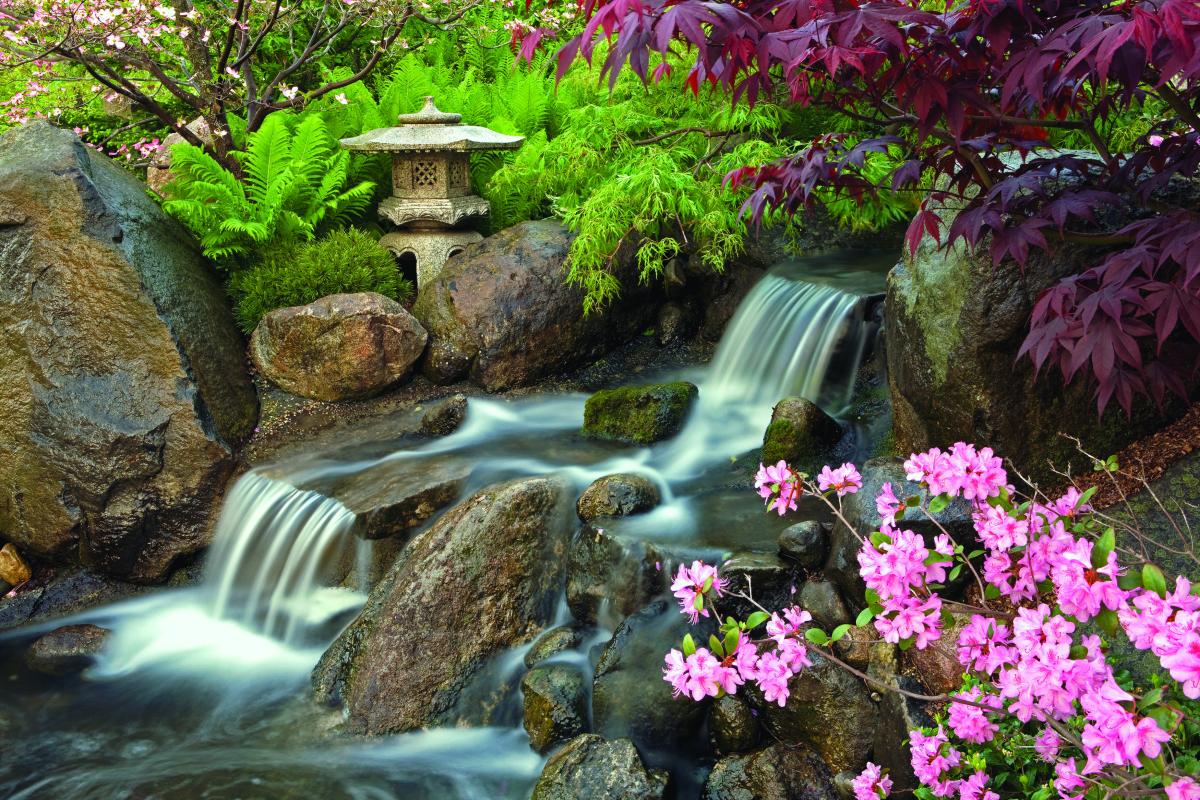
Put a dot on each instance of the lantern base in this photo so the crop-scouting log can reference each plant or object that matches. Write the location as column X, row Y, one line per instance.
column 430, row 248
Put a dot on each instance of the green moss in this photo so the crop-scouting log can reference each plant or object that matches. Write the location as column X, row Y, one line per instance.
column 782, row 440
column 639, row 414
column 343, row 262
column 886, row 446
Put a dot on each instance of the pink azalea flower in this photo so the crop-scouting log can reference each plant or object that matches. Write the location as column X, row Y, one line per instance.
column 690, row 583
column 888, row 505
column 1183, row 789
column 970, row 723
column 1046, row 744
column 871, row 783
column 844, row 480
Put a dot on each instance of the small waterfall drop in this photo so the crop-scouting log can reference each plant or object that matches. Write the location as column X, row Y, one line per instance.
column 275, row 549
column 782, row 341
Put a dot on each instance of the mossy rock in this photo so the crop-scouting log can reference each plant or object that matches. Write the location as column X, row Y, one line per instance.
column 799, row 429
column 639, row 414
column 555, row 705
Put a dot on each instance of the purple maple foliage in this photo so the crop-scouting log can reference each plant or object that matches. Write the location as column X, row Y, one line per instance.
column 969, row 96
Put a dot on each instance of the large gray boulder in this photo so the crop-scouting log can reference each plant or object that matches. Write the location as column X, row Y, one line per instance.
column 777, row 772
column 340, row 347
column 124, row 381
column 955, row 324
column 486, row 577
column 502, row 313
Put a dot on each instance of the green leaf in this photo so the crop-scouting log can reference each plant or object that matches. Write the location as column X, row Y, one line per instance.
column 913, row 502
column 1108, row 622
column 1154, row 580
column 1130, row 580
column 879, row 538
column 873, row 596
column 905, row 644
column 707, row 584
column 731, row 642
column 938, row 504
column 756, row 619
column 991, row 592
column 1151, row 698
column 1078, row 652
column 1164, row 717
column 714, row 644
column 816, row 636
column 840, row 631
column 698, row 603
column 974, row 554
column 864, row 616
column 1103, row 547
column 954, row 573
column 689, row 644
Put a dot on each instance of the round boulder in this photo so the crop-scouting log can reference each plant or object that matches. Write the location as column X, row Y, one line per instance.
column 733, row 727
column 617, row 496
column 592, row 768
column 66, row 650
column 799, row 429
column 341, row 347
column 806, row 543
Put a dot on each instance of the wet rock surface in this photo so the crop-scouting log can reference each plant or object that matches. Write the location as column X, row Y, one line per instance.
column 806, row 543
column 824, row 602
column 13, row 569
column 606, row 572
column 769, row 579
column 443, row 417
column 341, row 347
column 829, row 710
column 799, row 430
column 501, row 314
column 592, row 768
column 397, row 496
column 630, row 698
column 66, row 650
column 555, row 704
column 733, row 726
column 777, row 772
column 554, row 641
column 955, row 325
column 73, row 590
column 126, row 387
column 617, row 496
column 639, row 414
column 410, row 658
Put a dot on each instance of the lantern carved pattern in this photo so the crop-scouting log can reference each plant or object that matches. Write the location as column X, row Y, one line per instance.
column 431, row 183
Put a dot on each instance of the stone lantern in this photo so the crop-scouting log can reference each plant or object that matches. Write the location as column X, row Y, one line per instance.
column 431, row 183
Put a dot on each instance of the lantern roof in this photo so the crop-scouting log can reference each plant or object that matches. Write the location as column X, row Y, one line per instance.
column 431, row 130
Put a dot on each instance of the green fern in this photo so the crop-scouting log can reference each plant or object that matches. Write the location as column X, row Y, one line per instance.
column 296, row 186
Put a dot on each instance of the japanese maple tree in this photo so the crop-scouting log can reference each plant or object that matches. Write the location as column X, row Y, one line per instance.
column 971, row 95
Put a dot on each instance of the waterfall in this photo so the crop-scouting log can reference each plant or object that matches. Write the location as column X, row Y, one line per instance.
column 782, row 342
column 276, row 547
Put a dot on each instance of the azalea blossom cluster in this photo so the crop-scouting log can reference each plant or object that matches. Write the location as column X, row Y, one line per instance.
column 1055, row 565
column 738, row 658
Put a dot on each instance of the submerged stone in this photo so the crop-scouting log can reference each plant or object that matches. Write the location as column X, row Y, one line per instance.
column 617, row 496
column 66, row 650
column 592, row 768
column 552, row 642
column 778, row 772
column 799, row 430
column 555, row 704
column 484, row 578
column 639, row 414
column 606, row 572
column 443, row 417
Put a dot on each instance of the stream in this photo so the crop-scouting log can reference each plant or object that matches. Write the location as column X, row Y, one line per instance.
column 203, row 691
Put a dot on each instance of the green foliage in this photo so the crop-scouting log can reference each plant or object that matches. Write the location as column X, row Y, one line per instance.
column 344, row 261
column 297, row 184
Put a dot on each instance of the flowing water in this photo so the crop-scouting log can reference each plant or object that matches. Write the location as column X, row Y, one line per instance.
column 202, row 692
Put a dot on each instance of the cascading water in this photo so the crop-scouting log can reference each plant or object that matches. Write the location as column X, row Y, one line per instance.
column 226, row 658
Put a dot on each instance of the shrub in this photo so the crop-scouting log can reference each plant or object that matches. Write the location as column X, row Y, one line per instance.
column 344, row 261
column 1053, row 597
